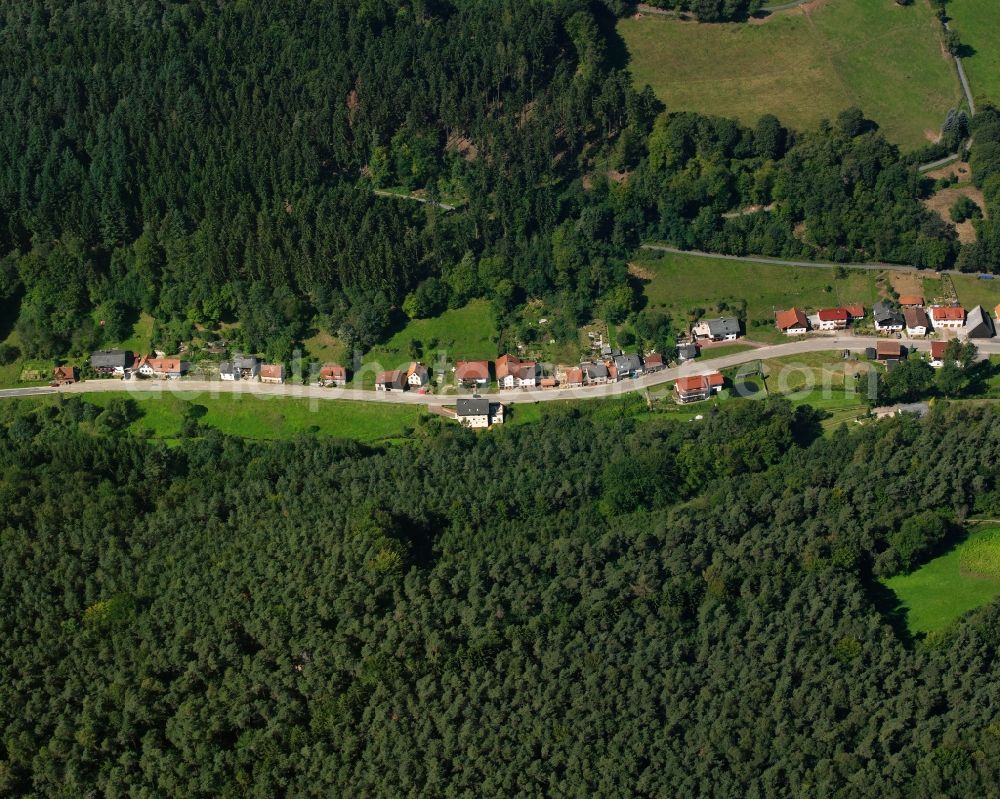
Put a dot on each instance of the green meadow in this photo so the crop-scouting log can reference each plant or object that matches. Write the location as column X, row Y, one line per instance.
column 949, row 586
column 977, row 23
column 805, row 65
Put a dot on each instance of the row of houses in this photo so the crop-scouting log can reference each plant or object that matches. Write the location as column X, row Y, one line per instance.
column 892, row 351
column 124, row 363
column 910, row 316
column 794, row 322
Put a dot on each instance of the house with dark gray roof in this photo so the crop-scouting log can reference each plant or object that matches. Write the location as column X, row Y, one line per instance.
column 241, row 367
column 629, row 365
column 979, row 324
column 115, row 362
column 687, row 352
column 887, row 317
column 724, row 328
column 478, row 412
column 594, row 374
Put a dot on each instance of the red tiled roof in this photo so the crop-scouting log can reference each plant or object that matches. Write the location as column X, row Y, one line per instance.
column 332, row 371
column 694, row 383
column 716, row 379
column 272, row 370
column 574, row 375
column 937, row 349
column 392, row 377
column 891, row 349
column 548, row 382
column 791, row 318
column 911, row 299
column 856, row 310
column 915, row 317
column 942, row 314
column 506, row 365
column 64, row 373
column 472, row 370
column 653, row 360
column 833, row 315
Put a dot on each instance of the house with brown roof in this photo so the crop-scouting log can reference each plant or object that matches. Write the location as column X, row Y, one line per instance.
column 856, row 311
column 512, row 372
column 548, row 382
column 937, row 353
column 332, row 374
column 833, row 318
column 573, row 378
column 948, row 317
column 652, row 362
column 917, row 323
column 890, row 350
column 64, row 376
column 393, row 380
column 697, row 387
column 792, row 322
column 154, row 366
column 472, row 374
column 272, row 373
column 910, row 301
column 417, row 375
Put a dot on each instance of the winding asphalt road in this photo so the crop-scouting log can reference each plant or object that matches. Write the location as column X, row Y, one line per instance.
column 193, row 389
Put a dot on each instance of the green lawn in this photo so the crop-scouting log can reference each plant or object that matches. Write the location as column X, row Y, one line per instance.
column 683, row 282
column 942, row 590
column 972, row 292
column 977, row 23
column 804, row 66
column 141, row 340
column 464, row 333
column 722, row 350
column 270, row 417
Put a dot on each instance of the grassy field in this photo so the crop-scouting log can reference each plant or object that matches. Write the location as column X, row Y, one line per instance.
column 940, row 591
column 724, row 349
column 804, row 66
column 271, row 417
column 679, row 283
column 977, row 23
column 141, row 340
column 972, row 292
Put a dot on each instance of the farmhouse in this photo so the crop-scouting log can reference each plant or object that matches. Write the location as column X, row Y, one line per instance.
column 948, row 318
column 889, row 351
column 627, row 366
column 979, row 324
column 417, row 375
column 272, row 373
column 515, row 373
column 887, row 318
column 478, row 412
column 112, row 362
column 240, row 368
column 393, row 380
column 697, row 387
column 152, row 366
column 64, row 376
column 833, row 318
column 917, row 323
column 792, row 322
column 333, row 374
column 594, row 374
column 472, row 374
column 725, row 328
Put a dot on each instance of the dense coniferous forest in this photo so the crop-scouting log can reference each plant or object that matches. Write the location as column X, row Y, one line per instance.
column 210, row 162
column 588, row 606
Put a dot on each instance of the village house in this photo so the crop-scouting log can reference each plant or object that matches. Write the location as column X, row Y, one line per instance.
column 515, row 373
column 472, row 374
column 333, row 374
column 417, row 375
column 594, row 374
column 792, row 322
column 548, row 382
column 687, row 352
column 573, row 377
column 917, row 323
column 112, row 362
column 478, row 412
column 272, row 373
column 64, row 376
column 627, row 366
column 725, row 328
column 241, row 367
column 910, row 301
column 168, row 368
column 652, row 362
column 394, row 380
column 948, row 317
column 887, row 318
column 856, row 311
column 889, row 351
column 937, row 353
column 979, row 324
column 833, row 318
column 697, row 387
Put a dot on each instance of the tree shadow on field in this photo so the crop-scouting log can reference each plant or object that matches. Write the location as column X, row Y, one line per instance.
column 891, row 609
column 616, row 53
